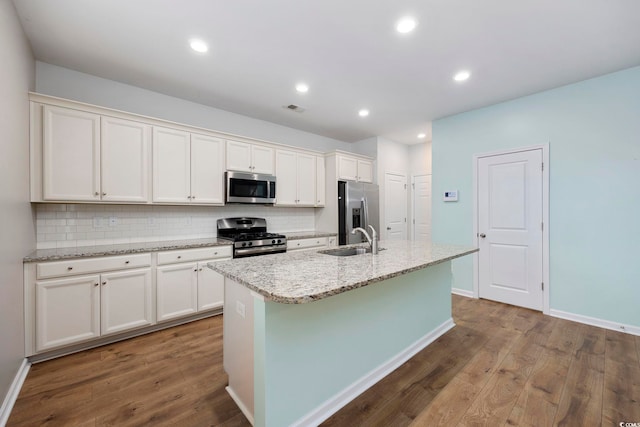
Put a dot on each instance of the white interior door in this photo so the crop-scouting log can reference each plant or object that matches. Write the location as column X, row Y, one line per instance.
column 395, row 206
column 510, row 233
column 422, row 207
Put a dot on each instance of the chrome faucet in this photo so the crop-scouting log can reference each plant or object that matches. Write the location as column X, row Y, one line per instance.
column 373, row 240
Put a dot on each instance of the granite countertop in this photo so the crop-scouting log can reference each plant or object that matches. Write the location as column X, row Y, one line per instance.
column 41, row 255
column 301, row 277
column 123, row 249
column 308, row 234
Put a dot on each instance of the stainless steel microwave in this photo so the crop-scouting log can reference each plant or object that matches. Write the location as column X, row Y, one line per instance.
column 244, row 187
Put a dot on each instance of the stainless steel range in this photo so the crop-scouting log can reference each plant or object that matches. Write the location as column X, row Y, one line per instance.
column 250, row 237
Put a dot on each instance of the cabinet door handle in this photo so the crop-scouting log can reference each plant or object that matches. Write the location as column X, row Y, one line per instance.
column 96, row 284
column 215, row 253
column 195, row 269
column 104, row 194
column 200, row 269
column 193, row 197
column 96, row 194
column 104, row 283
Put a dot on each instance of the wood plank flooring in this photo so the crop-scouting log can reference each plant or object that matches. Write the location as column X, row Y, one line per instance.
column 500, row 365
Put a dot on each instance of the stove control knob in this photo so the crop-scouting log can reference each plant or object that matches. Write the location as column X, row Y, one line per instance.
column 273, row 242
column 250, row 243
column 279, row 241
column 244, row 244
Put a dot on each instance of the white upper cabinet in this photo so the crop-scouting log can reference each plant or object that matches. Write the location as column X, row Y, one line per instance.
column 171, row 166
column 245, row 157
column 306, row 180
column 355, row 169
column 207, row 169
column 124, row 158
column 296, row 174
column 70, row 155
column 287, row 178
column 262, row 159
column 187, row 168
column 321, row 194
column 88, row 157
column 365, row 171
column 347, row 168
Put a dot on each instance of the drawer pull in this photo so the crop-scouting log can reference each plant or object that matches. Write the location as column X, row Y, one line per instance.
column 179, row 256
column 215, row 253
column 126, row 262
column 69, row 268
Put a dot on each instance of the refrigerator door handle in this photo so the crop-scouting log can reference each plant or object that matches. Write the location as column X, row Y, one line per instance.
column 365, row 212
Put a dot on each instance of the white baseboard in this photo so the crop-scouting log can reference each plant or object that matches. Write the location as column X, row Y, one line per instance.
column 601, row 323
column 14, row 391
column 247, row 413
column 462, row 292
column 332, row 405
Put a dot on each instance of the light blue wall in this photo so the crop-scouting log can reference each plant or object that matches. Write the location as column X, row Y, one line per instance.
column 307, row 353
column 593, row 131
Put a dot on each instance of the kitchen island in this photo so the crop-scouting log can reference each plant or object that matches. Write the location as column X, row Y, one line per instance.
column 307, row 332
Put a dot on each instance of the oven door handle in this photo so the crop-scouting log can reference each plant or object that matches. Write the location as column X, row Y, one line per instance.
column 258, row 250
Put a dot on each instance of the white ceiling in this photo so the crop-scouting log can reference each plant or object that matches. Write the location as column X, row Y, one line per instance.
column 347, row 51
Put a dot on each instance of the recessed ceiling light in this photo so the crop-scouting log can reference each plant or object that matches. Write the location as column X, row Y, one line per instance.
column 406, row 25
column 363, row 113
column 302, row 88
column 422, row 135
column 198, row 45
column 461, row 76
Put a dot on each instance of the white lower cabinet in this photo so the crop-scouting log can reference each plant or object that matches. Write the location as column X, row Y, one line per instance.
column 176, row 290
column 189, row 287
column 307, row 244
column 67, row 311
column 126, row 300
column 76, row 309
column 210, row 287
column 73, row 302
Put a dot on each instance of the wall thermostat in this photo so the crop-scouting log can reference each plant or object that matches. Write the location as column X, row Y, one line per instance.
column 451, row 196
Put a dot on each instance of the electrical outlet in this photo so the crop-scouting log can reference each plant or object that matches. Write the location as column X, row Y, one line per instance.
column 240, row 309
column 98, row 222
column 113, row 221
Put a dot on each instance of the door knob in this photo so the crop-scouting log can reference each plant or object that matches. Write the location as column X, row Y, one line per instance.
column 483, row 235
column 388, row 228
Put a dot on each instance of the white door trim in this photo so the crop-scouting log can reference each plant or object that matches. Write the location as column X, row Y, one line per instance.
column 545, row 217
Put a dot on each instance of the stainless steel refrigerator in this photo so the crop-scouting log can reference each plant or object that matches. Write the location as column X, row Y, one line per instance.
column 357, row 207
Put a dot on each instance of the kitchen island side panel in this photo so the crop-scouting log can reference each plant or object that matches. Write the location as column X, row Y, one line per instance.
column 313, row 352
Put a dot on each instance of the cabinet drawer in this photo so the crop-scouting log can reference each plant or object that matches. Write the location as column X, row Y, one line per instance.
column 91, row 265
column 186, row 255
column 293, row 245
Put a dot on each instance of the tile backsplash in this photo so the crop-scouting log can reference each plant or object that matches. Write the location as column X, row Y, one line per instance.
column 68, row 225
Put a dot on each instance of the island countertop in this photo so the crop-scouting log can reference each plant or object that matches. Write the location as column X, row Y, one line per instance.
column 301, row 277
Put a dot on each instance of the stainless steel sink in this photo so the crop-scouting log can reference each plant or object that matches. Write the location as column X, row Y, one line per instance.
column 347, row 251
